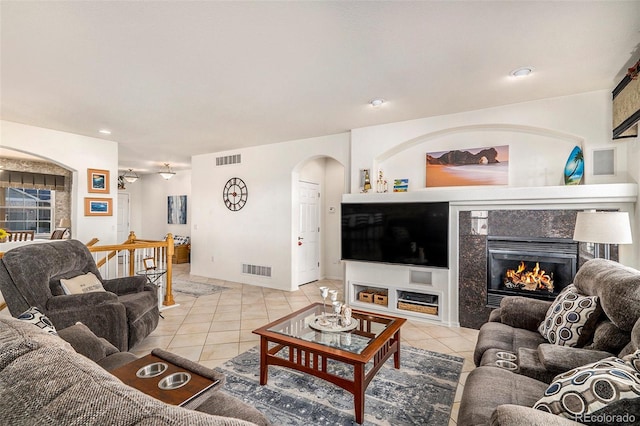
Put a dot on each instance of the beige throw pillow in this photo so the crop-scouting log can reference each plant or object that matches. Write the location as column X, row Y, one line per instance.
column 86, row 283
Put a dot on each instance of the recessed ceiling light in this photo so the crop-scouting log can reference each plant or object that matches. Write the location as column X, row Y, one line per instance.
column 522, row 72
column 376, row 102
column 105, row 131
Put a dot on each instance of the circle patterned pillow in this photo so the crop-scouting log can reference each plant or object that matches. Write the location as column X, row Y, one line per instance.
column 571, row 318
column 587, row 389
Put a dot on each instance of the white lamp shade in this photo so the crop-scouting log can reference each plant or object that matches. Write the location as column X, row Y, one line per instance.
column 603, row 228
column 166, row 173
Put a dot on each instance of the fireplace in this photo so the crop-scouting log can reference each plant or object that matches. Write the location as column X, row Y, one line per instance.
column 532, row 267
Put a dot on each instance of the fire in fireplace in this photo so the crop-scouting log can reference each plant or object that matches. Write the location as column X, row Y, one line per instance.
column 532, row 267
column 528, row 279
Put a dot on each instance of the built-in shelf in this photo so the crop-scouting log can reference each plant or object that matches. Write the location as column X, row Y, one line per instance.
column 610, row 193
column 444, row 282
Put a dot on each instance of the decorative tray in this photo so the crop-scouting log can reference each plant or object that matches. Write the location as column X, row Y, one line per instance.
column 316, row 324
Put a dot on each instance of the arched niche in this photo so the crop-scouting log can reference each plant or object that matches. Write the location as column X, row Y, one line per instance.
column 536, row 155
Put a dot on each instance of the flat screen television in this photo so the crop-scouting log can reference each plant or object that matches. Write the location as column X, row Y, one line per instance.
column 401, row 233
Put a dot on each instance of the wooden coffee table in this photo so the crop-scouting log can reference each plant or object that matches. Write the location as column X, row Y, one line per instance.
column 375, row 339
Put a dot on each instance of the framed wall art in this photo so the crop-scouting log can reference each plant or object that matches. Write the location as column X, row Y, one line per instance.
column 477, row 166
column 98, row 181
column 98, row 206
column 177, row 209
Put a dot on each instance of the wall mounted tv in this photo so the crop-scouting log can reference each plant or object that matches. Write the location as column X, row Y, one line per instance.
column 402, row 233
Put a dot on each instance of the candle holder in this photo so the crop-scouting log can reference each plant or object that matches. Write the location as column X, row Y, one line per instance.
column 324, row 292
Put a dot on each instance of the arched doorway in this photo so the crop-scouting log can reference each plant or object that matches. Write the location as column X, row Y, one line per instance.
column 318, row 185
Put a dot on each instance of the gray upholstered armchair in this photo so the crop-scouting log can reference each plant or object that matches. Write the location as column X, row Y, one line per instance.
column 30, row 275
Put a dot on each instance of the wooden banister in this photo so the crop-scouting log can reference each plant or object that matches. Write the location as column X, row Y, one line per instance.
column 162, row 251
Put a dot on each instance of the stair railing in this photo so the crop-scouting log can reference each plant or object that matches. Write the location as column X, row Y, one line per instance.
column 137, row 257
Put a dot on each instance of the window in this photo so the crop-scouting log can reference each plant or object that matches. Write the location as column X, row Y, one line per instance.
column 25, row 209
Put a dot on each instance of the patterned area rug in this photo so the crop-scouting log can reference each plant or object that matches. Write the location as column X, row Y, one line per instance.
column 421, row 392
column 195, row 289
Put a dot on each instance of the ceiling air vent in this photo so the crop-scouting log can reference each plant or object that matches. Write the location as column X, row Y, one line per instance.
column 229, row 159
column 263, row 271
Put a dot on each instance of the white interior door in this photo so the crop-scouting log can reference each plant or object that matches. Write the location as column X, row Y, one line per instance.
column 308, row 242
column 123, row 217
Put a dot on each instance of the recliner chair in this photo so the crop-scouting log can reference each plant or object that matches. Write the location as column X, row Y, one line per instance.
column 30, row 275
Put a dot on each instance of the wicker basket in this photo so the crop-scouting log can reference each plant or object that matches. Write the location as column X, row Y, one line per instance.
column 366, row 296
column 380, row 299
column 431, row 310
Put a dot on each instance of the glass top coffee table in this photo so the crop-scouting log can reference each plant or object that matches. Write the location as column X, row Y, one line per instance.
column 296, row 342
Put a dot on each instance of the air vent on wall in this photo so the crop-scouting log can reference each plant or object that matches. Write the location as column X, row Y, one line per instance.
column 263, row 271
column 228, row 159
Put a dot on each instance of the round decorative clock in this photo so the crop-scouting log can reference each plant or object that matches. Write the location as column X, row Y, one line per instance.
column 235, row 194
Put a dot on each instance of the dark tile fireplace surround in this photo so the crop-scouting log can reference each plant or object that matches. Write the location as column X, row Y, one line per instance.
column 539, row 229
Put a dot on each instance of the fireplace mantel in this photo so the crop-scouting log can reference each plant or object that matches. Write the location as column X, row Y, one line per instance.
column 500, row 195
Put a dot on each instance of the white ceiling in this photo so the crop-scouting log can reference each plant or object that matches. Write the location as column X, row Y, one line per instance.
column 172, row 79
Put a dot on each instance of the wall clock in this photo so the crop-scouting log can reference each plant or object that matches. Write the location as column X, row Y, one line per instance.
column 235, row 194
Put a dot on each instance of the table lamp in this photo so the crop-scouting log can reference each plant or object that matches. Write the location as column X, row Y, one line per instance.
column 65, row 224
column 603, row 227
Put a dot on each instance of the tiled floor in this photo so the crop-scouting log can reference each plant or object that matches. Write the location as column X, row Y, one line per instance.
column 212, row 329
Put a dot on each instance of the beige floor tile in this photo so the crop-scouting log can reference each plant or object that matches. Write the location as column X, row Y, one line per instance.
column 190, row 352
column 245, row 346
column 176, row 312
column 278, row 313
column 249, row 336
column 227, row 316
column 439, row 331
column 225, row 325
column 183, row 340
column 431, row 345
column 219, row 337
column 211, row 299
column 227, row 308
column 253, row 323
column 198, row 318
column 152, row 342
column 166, row 328
column 203, row 309
column 254, row 314
column 413, row 333
column 196, row 327
column 458, row 344
column 223, row 350
column 459, row 391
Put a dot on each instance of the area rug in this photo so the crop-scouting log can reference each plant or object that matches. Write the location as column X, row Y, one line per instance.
column 421, row 392
column 196, row 289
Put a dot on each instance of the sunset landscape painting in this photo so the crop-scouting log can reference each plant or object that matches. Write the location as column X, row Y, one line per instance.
column 470, row 167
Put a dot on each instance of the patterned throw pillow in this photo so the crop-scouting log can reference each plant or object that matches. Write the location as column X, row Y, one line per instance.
column 86, row 283
column 583, row 391
column 571, row 318
column 34, row 316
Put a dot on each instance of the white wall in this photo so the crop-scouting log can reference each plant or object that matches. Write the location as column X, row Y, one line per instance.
column 148, row 204
column 540, row 135
column 76, row 153
column 335, row 185
column 262, row 233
